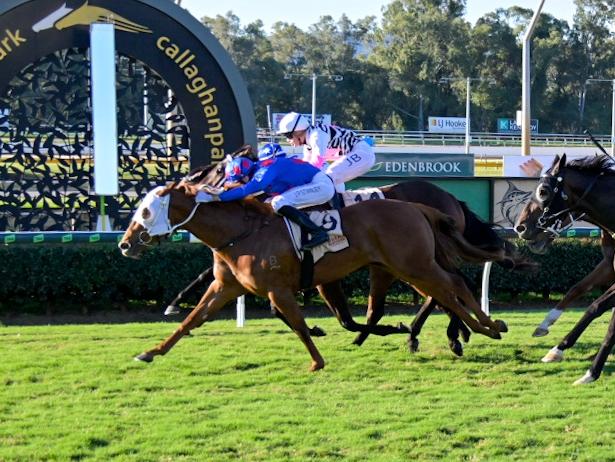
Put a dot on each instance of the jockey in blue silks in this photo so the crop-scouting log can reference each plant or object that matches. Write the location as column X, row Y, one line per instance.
column 291, row 183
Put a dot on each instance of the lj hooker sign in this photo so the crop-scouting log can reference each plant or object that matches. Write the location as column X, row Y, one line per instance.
column 424, row 165
column 159, row 33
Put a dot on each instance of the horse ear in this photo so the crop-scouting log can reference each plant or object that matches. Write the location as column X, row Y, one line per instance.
column 558, row 164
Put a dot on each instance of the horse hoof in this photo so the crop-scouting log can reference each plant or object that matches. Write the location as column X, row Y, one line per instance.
column 587, row 378
column 144, row 357
column 413, row 345
column 554, row 355
column 465, row 335
column 456, row 347
column 171, row 309
column 317, row 332
column 540, row 332
column 316, row 366
column 502, row 327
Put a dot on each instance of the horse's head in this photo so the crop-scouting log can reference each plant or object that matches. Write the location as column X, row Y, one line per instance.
column 544, row 216
column 162, row 211
column 213, row 174
column 149, row 223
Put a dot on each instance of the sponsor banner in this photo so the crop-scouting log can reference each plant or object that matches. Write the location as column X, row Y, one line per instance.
column 423, row 165
column 510, row 197
column 529, row 166
column 511, row 126
column 447, row 124
column 320, row 118
column 160, row 34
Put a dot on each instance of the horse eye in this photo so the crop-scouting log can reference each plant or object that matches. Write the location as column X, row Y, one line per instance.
column 542, row 193
column 146, row 213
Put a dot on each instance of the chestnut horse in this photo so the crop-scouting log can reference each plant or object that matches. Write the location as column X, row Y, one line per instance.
column 583, row 187
column 414, row 243
column 476, row 231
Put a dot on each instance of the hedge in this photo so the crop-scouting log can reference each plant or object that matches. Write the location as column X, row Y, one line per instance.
column 96, row 277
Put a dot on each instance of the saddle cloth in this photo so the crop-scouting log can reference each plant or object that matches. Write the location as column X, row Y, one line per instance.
column 331, row 221
column 360, row 195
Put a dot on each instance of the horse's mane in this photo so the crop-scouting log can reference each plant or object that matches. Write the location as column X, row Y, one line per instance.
column 198, row 173
column 593, row 165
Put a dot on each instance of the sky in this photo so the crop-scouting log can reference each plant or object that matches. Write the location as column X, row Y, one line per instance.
column 271, row 11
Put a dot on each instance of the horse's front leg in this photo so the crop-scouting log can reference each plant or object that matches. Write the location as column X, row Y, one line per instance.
column 284, row 300
column 217, row 295
column 379, row 282
column 595, row 310
column 601, row 275
column 334, row 297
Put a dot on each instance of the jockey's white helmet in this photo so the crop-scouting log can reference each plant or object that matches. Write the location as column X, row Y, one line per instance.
column 292, row 122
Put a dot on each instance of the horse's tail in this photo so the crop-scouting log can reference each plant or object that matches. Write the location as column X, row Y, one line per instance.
column 484, row 236
column 451, row 245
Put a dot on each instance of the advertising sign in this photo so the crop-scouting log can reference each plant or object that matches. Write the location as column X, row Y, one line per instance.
column 447, row 124
column 422, row 165
column 160, row 34
column 320, row 118
column 511, row 126
column 529, row 166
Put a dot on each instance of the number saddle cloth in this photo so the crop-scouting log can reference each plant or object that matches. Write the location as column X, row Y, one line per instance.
column 331, row 221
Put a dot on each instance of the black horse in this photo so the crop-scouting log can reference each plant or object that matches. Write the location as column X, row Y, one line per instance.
column 473, row 228
column 568, row 191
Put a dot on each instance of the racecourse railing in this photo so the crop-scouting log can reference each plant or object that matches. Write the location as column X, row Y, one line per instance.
column 477, row 138
column 93, row 237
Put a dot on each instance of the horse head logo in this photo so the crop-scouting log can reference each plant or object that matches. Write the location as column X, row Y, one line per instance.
column 85, row 15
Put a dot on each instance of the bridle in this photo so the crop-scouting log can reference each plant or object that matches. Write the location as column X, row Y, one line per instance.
column 551, row 188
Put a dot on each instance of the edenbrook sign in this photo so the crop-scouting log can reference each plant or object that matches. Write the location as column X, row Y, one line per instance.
column 422, row 165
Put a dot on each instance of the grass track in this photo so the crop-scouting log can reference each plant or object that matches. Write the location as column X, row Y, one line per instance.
column 227, row 394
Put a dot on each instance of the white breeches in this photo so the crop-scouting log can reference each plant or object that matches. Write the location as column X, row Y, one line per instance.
column 351, row 165
column 317, row 192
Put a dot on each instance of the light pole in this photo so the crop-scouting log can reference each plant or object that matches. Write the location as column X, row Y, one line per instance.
column 468, row 89
column 313, row 76
column 525, row 83
column 612, row 111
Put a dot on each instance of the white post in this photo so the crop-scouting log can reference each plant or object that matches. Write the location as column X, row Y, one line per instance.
column 484, row 296
column 613, row 122
column 468, row 80
column 241, row 311
column 104, row 109
column 313, row 98
column 525, row 83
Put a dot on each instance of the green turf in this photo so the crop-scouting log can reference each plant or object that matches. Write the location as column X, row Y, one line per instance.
column 228, row 394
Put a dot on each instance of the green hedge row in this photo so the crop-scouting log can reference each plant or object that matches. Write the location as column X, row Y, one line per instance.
column 97, row 277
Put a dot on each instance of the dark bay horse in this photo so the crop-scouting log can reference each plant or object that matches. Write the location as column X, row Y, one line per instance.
column 476, row 231
column 583, row 187
column 262, row 261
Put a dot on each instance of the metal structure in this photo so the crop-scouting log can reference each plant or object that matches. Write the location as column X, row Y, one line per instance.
column 525, row 88
column 468, row 81
column 612, row 81
column 313, row 76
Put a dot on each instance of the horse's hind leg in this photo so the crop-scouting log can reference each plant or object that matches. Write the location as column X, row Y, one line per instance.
column 217, row 295
column 448, row 289
column 314, row 331
column 284, row 301
column 379, row 282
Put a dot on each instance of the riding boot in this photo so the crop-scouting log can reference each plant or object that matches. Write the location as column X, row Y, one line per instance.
column 337, row 201
column 319, row 235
